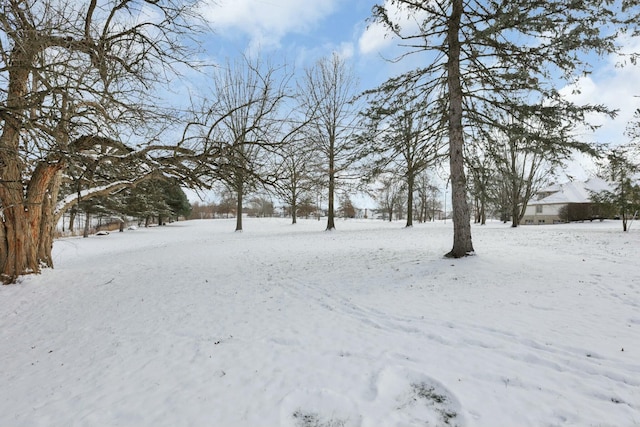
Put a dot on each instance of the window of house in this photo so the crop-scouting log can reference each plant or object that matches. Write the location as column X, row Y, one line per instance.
column 538, row 208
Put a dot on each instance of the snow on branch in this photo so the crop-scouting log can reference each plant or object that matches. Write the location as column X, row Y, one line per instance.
column 73, row 199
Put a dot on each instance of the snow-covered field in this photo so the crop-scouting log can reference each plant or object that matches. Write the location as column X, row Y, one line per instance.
column 194, row 325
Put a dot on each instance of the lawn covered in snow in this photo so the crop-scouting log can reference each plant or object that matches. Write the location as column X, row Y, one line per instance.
column 194, row 325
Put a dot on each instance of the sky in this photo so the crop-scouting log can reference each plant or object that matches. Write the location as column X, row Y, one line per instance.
column 301, row 32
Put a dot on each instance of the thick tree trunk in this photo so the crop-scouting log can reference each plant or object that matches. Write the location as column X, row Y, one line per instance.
column 14, row 244
column 26, row 231
column 462, row 245
column 28, row 221
column 515, row 213
column 48, row 222
column 26, row 235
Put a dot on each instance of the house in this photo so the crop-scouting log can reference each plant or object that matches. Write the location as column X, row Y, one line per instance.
column 564, row 202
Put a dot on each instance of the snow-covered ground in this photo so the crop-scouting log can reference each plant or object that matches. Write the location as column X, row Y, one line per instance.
column 194, row 325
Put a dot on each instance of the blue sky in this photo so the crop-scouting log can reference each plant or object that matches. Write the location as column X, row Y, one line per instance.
column 302, row 31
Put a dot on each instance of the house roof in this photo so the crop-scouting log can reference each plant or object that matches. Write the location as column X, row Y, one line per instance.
column 572, row 192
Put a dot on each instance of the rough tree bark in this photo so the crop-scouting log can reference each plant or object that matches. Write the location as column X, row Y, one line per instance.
column 59, row 57
column 24, row 212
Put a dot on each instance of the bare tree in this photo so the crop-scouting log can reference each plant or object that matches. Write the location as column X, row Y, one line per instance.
column 426, row 197
column 240, row 126
column 293, row 168
column 70, row 68
column 390, row 195
column 482, row 171
column 524, row 168
column 329, row 90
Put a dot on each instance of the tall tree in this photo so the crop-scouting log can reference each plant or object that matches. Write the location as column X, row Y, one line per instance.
column 526, row 155
column 503, row 55
column 293, row 169
column 390, row 195
column 69, row 68
column 294, row 166
column 483, row 176
column 240, row 126
column 329, row 89
column 426, row 197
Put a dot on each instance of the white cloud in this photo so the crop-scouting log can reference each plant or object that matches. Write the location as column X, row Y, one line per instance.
column 266, row 22
column 345, row 50
column 613, row 86
column 376, row 37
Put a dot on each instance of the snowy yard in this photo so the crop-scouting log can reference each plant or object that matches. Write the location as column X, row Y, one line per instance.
column 195, row 325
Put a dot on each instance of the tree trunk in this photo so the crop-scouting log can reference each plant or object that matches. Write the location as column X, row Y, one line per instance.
column 48, row 221
column 72, row 218
column 515, row 212
column 476, row 205
column 87, row 223
column 332, row 184
column 462, row 245
column 410, row 184
column 294, row 208
column 515, row 196
column 239, row 207
column 27, row 231
column 14, row 245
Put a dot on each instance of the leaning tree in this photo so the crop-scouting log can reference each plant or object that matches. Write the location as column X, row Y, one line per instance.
column 71, row 69
column 500, row 55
